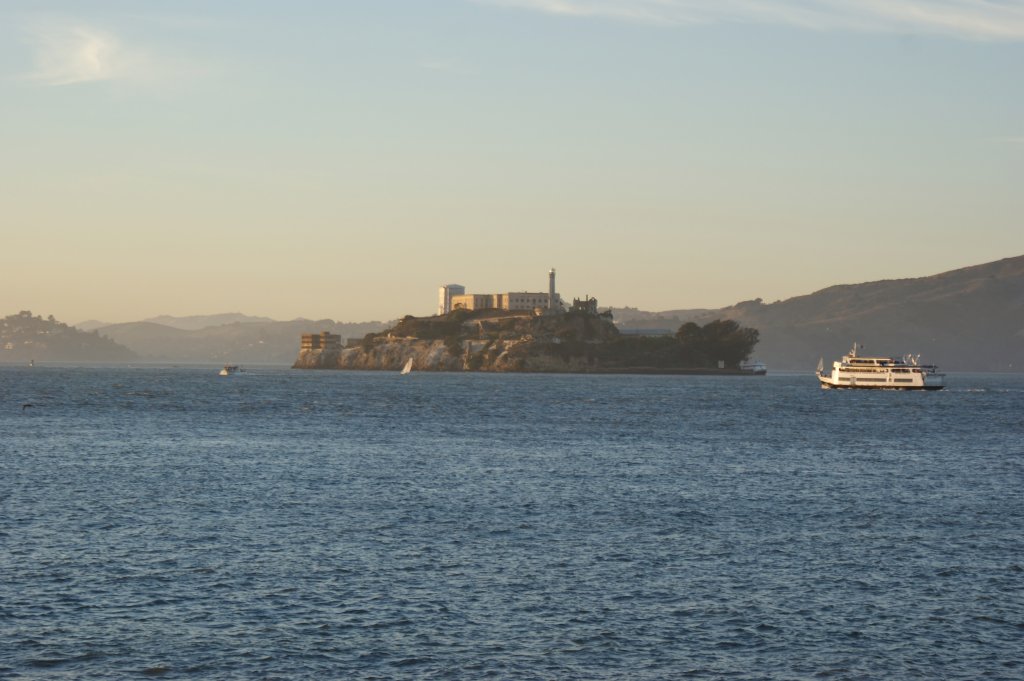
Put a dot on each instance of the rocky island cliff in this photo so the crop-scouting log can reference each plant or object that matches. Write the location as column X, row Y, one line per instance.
column 524, row 341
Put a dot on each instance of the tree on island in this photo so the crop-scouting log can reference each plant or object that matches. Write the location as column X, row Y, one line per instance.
column 722, row 340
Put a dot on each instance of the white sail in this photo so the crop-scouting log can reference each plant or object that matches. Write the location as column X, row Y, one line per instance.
column 408, row 367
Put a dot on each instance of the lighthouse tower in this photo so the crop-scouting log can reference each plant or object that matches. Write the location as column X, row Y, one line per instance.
column 552, row 297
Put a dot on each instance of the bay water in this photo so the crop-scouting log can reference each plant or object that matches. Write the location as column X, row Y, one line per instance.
column 169, row 522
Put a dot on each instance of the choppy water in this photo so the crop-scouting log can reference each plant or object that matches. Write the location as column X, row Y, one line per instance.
column 279, row 524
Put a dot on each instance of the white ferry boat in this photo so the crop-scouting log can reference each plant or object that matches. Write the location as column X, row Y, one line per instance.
column 886, row 373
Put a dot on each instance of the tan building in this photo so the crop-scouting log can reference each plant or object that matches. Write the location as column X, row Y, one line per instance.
column 524, row 300
column 474, row 301
column 321, row 341
column 512, row 300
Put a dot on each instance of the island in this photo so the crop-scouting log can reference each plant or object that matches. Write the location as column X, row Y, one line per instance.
column 542, row 340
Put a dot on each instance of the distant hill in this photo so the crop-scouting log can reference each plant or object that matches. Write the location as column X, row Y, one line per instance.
column 632, row 318
column 254, row 342
column 970, row 319
column 197, row 322
column 90, row 325
column 24, row 338
column 188, row 323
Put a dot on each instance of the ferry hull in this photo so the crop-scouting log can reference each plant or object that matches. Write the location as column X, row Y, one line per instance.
column 827, row 384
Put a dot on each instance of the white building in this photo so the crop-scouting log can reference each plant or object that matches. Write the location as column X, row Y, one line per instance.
column 444, row 297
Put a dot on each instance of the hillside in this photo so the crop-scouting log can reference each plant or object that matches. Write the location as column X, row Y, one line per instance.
column 24, row 338
column 970, row 319
column 251, row 342
column 205, row 321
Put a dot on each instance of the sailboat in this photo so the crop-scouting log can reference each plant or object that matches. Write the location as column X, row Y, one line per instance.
column 408, row 367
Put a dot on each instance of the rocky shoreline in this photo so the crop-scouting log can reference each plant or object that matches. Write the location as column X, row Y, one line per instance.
column 436, row 355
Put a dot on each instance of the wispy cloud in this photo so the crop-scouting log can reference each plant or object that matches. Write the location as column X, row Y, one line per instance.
column 65, row 53
column 964, row 19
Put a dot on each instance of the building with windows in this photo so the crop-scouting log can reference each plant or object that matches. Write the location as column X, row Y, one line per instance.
column 321, row 341
column 512, row 300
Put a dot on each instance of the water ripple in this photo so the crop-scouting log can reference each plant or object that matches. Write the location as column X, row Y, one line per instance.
column 172, row 524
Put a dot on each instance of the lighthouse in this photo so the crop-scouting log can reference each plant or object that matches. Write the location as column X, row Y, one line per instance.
column 552, row 300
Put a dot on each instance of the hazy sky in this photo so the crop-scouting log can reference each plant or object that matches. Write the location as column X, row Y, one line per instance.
column 342, row 159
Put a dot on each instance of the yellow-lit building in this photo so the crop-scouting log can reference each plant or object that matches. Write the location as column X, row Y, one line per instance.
column 321, row 341
column 513, row 300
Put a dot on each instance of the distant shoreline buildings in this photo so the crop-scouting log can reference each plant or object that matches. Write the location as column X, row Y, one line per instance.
column 454, row 297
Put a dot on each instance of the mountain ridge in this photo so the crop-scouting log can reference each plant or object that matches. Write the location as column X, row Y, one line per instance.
column 204, row 321
column 968, row 319
column 239, row 342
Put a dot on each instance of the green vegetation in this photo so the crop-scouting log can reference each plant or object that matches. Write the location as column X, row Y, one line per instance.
column 658, row 352
column 692, row 347
column 430, row 328
column 722, row 340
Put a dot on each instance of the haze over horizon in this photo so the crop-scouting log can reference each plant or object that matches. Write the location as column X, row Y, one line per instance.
column 343, row 160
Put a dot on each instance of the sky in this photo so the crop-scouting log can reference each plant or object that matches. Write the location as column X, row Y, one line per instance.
column 343, row 159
